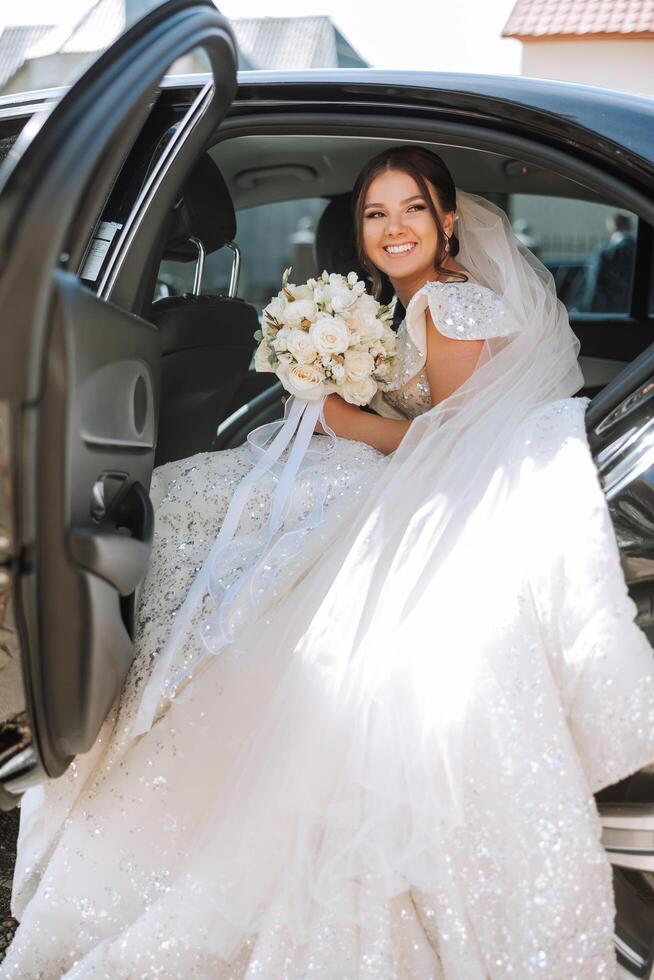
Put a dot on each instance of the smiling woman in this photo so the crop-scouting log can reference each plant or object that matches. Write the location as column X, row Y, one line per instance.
column 405, row 230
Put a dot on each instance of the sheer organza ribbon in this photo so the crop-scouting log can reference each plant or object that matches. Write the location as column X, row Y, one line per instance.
column 256, row 554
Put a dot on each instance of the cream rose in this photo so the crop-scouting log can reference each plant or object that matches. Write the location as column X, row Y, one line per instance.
column 298, row 310
column 358, row 365
column 304, row 381
column 301, row 346
column 359, row 392
column 330, row 335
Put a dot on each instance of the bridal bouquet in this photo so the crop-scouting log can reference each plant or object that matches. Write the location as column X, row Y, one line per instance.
column 327, row 335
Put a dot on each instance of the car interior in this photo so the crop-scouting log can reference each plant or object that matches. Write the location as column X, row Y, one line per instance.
column 294, row 209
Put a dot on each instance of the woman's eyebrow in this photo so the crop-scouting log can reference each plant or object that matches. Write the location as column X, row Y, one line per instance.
column 405, row 201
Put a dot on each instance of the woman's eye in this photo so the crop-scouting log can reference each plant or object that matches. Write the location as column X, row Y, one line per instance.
column 373, row 214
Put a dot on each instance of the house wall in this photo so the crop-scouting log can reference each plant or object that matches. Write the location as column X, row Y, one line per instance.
column 610, row 63
column 47, row 72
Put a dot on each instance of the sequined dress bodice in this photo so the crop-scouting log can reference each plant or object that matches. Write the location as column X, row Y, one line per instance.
column 412, row 398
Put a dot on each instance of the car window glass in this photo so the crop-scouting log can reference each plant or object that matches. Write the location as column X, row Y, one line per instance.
column 588, row 247
column 270, row 238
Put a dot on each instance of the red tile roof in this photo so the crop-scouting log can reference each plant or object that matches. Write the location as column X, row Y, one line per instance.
column 549, row 19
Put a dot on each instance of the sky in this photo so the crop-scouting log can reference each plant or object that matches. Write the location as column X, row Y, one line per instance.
column 444, row 36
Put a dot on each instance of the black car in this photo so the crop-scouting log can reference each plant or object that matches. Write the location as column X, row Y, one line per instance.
column 144, row 221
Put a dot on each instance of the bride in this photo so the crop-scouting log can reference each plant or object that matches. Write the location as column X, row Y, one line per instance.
column 386, row 770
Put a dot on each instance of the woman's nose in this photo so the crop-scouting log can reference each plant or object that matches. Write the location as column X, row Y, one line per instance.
column 394, row 223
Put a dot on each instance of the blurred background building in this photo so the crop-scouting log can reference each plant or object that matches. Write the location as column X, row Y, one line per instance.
column 39, row 56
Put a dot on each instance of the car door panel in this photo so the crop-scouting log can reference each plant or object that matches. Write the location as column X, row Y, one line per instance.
column 79, row 391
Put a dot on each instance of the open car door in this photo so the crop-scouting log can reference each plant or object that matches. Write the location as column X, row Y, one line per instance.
column 79, row 380
column 620, row 426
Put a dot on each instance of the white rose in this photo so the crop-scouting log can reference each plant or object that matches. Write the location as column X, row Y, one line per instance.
column 303, row 380
column 359, row 392
column 301, row 346
column 342, row 298
column 367, row 304
column 280, row 341
column 369, row 327
column 276, row 307
column 352, row 278
column 330, row 335
column 261, row 355
column 298, row 310
column 358, row 365
column 303, row 292
column 338, row 373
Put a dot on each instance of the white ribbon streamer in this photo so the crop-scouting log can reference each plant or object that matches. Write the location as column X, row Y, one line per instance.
column 300, row 417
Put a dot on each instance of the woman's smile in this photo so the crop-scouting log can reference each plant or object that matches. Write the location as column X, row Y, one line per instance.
column 403, row 249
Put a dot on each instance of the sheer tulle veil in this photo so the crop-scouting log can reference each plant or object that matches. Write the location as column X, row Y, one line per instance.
column 366, row 683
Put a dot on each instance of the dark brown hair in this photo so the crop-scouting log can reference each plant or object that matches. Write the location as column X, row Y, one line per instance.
column 423, row 165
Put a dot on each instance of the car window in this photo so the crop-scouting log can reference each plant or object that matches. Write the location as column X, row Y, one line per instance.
column 588, row 247
column 270, row 238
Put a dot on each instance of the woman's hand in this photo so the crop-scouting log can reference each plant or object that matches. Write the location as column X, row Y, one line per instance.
column 337, row 412
column 351, row 422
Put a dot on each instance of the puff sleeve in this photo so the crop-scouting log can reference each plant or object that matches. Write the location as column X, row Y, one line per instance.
column 462, row 311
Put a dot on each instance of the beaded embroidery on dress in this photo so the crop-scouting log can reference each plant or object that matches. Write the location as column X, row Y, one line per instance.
column 245, row 836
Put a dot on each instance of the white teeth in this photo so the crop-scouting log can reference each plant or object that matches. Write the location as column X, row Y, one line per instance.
column 393, row 249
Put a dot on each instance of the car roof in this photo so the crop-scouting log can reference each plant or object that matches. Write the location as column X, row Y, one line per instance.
column 564, row 108
column 583, row 114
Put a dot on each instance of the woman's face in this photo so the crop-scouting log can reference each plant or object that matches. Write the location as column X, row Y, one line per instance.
column 395, row 214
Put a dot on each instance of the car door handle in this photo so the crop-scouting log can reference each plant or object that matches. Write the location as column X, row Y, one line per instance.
column 118, row 551
column 628, row 834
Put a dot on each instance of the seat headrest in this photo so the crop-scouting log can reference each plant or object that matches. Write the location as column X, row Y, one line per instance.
column 336, row 243
column 204, row 210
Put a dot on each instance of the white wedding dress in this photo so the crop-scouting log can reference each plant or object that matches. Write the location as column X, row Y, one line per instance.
column 252, row 833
